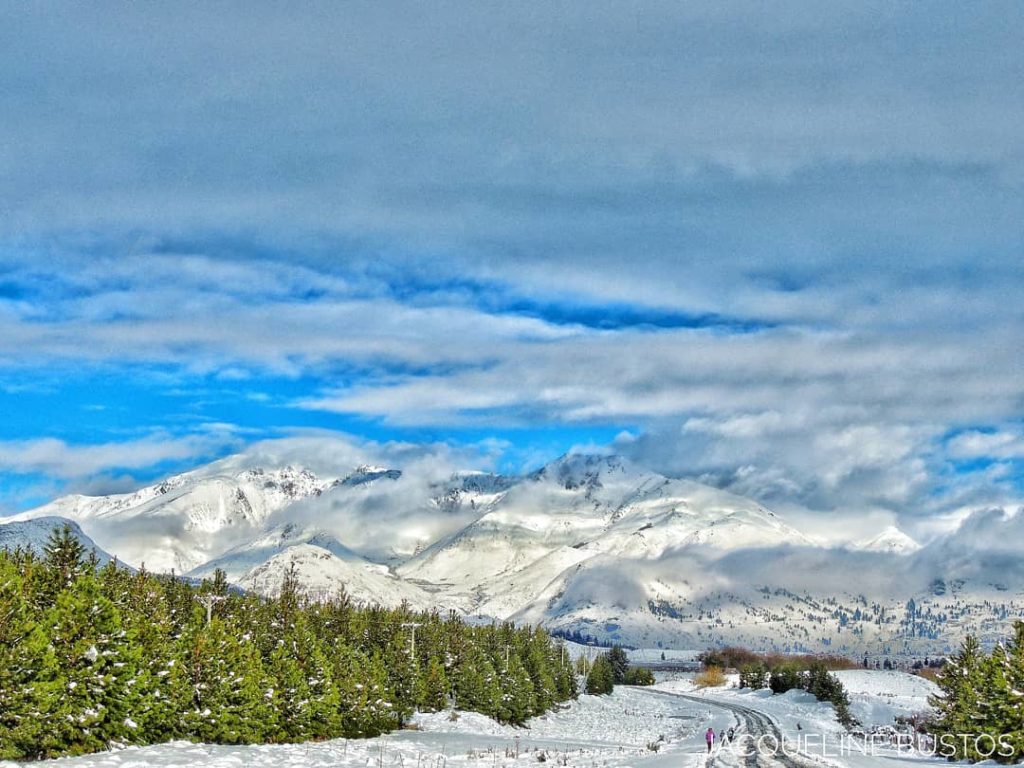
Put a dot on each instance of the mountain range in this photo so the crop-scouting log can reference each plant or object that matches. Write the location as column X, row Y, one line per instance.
column 591, row 546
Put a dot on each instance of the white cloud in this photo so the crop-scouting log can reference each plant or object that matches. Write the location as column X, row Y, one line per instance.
column 1000, row 444
column 59, row 459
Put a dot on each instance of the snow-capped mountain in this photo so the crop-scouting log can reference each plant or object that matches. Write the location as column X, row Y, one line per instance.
column 34, row 534
column 582, row 506
column 239, row 560
column 324, row 574
column 589, row 544
column 891, row 539
column 185, row 520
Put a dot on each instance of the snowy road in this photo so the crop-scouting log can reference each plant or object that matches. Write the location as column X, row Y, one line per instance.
column 807, row 727
column 758, row 739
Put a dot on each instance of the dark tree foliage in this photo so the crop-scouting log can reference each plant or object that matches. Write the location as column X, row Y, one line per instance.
column 601, row 679
column 92, row 657
column 613, row 668
column 620, row 663
column 754, row 676
column 639, row 676
column 982, row 699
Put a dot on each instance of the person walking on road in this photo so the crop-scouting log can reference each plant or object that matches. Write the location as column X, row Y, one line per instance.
column 709, row 737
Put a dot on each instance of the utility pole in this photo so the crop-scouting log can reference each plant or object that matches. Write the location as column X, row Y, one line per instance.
column 208, row 601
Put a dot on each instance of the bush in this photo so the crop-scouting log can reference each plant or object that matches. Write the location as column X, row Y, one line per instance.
column 730, row 657
column 785, row 678
column 639, row 676
column 733, row 657
column 754, row 676
column 711, row 677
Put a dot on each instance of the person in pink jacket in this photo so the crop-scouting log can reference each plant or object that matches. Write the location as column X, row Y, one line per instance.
column 709, row 737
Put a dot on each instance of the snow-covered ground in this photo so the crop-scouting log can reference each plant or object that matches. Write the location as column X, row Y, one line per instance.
column 876, row 699
column 594, row 732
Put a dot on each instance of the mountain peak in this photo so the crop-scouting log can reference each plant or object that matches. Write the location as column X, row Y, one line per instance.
column 891, row 540
column 585, row 470
column 367, row 473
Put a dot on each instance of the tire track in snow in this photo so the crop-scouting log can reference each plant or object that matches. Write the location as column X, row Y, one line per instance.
column 756, row 728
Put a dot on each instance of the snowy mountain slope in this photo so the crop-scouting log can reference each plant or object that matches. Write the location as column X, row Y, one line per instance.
column 34, row 534
column 238, row 561
column 596, row 505
column 323, row 574
column 893, row 540
column 389, row 515
column 184, row 521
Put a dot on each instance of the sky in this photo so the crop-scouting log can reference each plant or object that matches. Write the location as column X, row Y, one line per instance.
column 775, row 247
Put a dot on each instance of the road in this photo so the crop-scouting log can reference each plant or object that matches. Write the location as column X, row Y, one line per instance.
column 758, row 742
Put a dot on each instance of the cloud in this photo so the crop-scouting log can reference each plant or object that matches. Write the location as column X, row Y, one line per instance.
column 780, row 246
column 998, row 444
column 58, row 459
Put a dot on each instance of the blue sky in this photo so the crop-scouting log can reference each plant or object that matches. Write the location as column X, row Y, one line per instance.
column 775, row 248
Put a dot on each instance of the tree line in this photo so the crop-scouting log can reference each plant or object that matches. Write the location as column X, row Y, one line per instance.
column 98, row 656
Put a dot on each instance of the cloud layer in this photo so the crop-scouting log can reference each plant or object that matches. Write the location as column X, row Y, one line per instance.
column 781, row 247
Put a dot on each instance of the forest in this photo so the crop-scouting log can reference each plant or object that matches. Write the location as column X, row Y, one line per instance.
column 94, row 656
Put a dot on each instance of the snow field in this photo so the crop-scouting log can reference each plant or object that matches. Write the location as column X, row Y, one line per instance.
column 594, row 732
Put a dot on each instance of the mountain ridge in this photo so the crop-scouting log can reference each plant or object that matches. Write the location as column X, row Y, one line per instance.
column 590, row 544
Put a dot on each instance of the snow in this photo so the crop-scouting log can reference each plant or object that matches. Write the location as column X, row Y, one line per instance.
column 324, row 574
column 877, row 697
column 607, row 732
column 891, row 539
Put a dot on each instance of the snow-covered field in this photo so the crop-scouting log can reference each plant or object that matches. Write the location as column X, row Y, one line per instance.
column 594, row 732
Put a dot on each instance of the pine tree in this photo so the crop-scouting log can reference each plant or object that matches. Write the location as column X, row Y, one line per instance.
column 516, row 702
column 433, row 687
column 620, row 664
column 961, row 683
column 64, row 556
column 96, row 662
column 306, row 699
column 231, row 694
column 402, row 673
column 601, row 679
column 1011, row 714
column 27, row 666
column 754, row 676
column 476, row 685
column 364, row 700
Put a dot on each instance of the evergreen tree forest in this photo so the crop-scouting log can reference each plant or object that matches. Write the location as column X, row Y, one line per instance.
column 981, row 708
column 93, row 657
